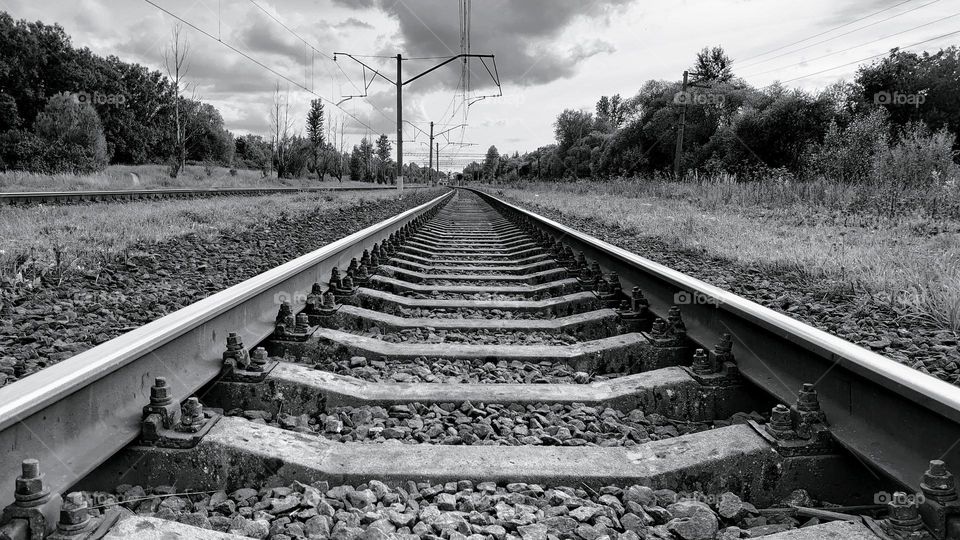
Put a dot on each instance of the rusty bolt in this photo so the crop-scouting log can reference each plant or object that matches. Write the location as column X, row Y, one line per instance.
column 160, row 392
column 74, row 513
column 374, row 260
column 302, row 324
column 29, row 485
column 192, row 407
column 316, row 288
column 334, row 276
column 284, row 311
column 347, row 283
column 581, row 260
column 259, row 357
column 938, row 482
column 807, row 400
column 659, row 328
column 353, row 265
column 904, row 514
column 234, row 342
column 365, row 258
column 329, row 300
column 781, row 423
column 701, row 363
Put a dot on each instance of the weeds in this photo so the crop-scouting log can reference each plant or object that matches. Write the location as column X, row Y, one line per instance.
column 824, row 229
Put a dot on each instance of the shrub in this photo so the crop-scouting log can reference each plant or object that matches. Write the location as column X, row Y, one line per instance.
column 847, row 155
column 73, row 136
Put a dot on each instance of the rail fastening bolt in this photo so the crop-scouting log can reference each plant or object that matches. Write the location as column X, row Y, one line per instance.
column 160, row 392
column 938, row 482
column 904, row 514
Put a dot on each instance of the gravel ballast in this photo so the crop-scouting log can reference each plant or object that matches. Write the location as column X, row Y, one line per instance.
column 867, row 321
column 458, row 511
column 54, row 321
column 474, row 337
column 485, row 424
column 444, row 370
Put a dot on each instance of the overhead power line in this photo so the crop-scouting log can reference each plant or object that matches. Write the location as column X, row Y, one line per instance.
column 826, row 31
column 840, row 35
column 834, row 53
column 259, row 63
column 871, row 57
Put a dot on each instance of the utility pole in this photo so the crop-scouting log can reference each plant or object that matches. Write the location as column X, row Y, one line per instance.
column 430, row 169
column 399, row 124
column 438, row 157
column 400, row 83
column 678, row 155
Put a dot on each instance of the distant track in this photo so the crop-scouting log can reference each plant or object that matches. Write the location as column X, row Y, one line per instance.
column 35, row 197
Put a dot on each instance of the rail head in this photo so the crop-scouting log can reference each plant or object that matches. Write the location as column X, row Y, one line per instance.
column 79, row 412
column 894, row 416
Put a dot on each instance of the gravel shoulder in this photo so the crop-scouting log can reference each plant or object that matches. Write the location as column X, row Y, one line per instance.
column 866, row 320
column 49, row 320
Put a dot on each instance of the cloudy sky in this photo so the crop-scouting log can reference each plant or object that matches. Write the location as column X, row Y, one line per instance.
column 550, row 54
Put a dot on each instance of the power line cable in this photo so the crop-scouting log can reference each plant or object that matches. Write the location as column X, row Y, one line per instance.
column 841, row 35
column 257, row 62
column 825, row 31
column 872, row 57
column 855, row 46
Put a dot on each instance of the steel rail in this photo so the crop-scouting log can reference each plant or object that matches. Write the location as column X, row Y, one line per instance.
column 887, row 414
column 30, row 197
column 74, row 415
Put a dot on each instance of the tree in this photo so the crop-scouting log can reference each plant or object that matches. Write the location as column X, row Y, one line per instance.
column 570, row 126
column 356, row 164
column 175, row 59
column 366, row 157
column 282, row 124
column 914, row 87
column 315, row 136
column 491, row 162
column 713, row 66
column 72, row 136
column 610, row 112
column 383, row 157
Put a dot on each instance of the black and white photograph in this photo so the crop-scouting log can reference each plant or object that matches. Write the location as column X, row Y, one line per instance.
column 512, row 270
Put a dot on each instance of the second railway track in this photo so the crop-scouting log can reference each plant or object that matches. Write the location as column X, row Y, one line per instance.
column 469, row 369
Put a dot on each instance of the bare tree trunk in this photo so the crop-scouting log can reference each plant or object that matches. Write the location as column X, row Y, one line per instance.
column 176, row 61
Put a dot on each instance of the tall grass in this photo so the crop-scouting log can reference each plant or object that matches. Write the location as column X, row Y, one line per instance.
column 826, row 230
column 49, row 242
column 152, row 177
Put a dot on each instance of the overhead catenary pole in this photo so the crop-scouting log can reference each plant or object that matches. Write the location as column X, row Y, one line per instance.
column 399, row 123
column 678, row 155
column 400, row 83
column 430, row 168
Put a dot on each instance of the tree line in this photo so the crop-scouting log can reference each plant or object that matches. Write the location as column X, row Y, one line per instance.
column 65, row 109
column 894, row 123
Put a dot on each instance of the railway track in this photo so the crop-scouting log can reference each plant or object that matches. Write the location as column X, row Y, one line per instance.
column 468, row 368
column 38, row 197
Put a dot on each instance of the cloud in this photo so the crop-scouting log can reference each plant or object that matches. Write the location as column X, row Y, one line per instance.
column 260, row 36
column 353, row 22
column 527, row 36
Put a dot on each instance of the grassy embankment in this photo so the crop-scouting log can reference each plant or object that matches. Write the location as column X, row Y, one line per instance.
column 53, row 240
column 832, row 232
column 155, row 177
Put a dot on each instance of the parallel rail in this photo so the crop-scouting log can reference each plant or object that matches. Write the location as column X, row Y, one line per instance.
column 35, row 197
column 891, row 416
column 74, row 415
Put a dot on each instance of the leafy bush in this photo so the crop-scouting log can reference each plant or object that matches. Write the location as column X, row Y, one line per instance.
column 71, row 139
column 847, row 155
